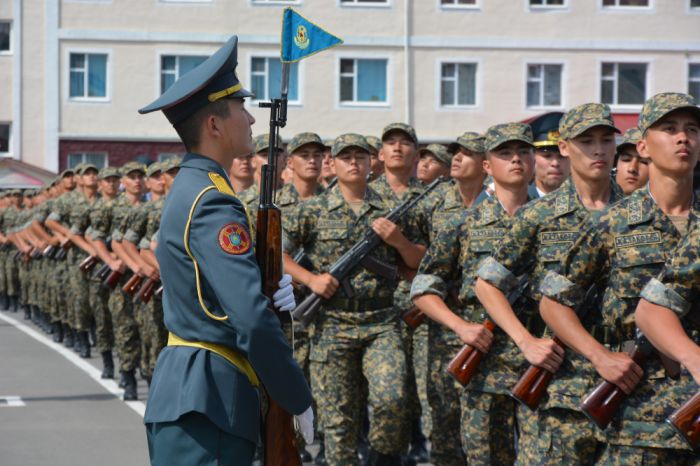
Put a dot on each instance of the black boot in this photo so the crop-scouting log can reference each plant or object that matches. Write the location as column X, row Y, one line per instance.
column 93, row 334
column 419, row 445
column 107, row 365
column 4, row 302
column 13, row 304
column 320, row 459
column 68, row 336
column 36, row 315
column 27, row 312
column 130, row 392
column 380, row 459
column 304, row 455
column 77, row 342
column 84, row 344
column 122, row 380
column 57, row 332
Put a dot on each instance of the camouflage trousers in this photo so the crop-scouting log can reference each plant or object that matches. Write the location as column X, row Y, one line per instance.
column 563, row 436
column 61, row 293
column 11, row 275
column 489, row 424
column 154, row 337
column 4, row 257
column 99, row 299
column 623, row 455
column 34, row 294
column 81, row 312
column 444, row 398
column 126, row 332
column 23, row 277
column 347, row 349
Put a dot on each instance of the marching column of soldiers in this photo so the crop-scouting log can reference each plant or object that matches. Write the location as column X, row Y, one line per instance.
column 555, row 246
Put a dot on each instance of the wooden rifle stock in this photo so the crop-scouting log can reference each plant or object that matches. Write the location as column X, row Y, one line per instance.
column 89, row 263
column 132, row 285
column 463, row 366
column 113, row 279
column 533, row 384
column 413, row 317
column 147, row 290
column 102, row 273
column 604, row 401
column 686, row 422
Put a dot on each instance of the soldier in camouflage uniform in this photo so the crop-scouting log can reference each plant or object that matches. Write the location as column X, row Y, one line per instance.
column 541, row 234
column 631, row 170
column 357, row 337
column 620, row 252
column 446, row 276
column 11, row 267
column 433, row 162
column 251, row 196
column 376, row 165
column 100, row 222
column 5, row 244
column 242, row 173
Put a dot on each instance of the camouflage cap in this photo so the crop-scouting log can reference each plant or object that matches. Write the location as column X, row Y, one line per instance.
column 661, row 105
column 86, row 167
column 132, row 166
column 349, row 140
column 506, row 132
column 374, row 143
column 262, row 142
column 328, row 143
column 66, row 172
column 170, row 163
column 302, row 139
column 439, row 152
column 631, row 136
column 15, row 192
column 155, row 167
column 408, row 129
column 470, row 141
column 106, row 172
column 584, row 117
column 78, row 169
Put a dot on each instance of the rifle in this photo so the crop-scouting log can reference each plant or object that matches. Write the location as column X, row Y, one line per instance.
column 413, row 317
column 102, row 273
column 686, row 422
column 131, row 286
column 279, row 437
column 533, row 384
column 63, row 251
column 112, row 279
column 159, row 292
column 50, row 251
column 602, row 403
column 464, row 365
column 356, row 255
column 146, row 291
column 89, row 263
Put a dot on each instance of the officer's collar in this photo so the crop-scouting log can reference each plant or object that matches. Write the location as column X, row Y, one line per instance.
column 203, row 163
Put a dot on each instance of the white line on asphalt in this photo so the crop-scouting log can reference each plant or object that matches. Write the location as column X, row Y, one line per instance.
column 94, row 373
column 11, row 402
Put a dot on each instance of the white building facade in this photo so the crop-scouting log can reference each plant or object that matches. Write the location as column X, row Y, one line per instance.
column 74, row 72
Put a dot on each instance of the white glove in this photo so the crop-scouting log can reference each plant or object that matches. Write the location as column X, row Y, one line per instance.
column 284, row 297
column 304, row 424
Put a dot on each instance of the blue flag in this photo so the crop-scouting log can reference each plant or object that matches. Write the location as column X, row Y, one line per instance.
column 301, row 38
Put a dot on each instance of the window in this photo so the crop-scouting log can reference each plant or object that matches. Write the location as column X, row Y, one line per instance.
column 363, row 81
column 544, row 85
column 4, row 138
column 546, row 3
column 458, row 3
column 694, row 81
column 88, row 75
column 623, row 83
column 458, row 84
column 625, row 3
column 98, row 159
column 174, row 66
column 266, row 79
column 5, row 31
column 364, row 2
column 695, row 4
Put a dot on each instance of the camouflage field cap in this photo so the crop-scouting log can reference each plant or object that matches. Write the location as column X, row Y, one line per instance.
column 661, row 105
column 109, row 171
column 408, row 129
column 349, row 140
column 631, row 136
column 66, row 172
column 154, row 168
column 470, row 141
column 584, row 117
column 328, row 143
column 439, row 152
column 132, row 166
column 302, row 139
column 374, row 143
column 170, row 163
column 86, row 167
column 262, row 142
column 15, row 192
column 78, row 169
column 506, row 132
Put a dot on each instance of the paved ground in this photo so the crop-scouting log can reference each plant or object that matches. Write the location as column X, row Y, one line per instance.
column 55, row 409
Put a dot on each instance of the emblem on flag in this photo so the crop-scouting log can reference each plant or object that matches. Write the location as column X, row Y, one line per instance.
column 301, row 38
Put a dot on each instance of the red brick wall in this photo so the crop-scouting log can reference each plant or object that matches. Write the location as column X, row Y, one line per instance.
column 118, row 153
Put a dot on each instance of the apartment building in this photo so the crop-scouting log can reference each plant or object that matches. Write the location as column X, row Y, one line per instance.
column 74, row 72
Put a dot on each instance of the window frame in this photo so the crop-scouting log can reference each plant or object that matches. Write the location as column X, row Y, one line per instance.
column 359, row 4
column 108, row 75
column 366, row 105
column 159, row 60
column 477, row 84
column 83, row 155
column 692, row 10
column 690, row 63
column 625, row 108
column 267, row 55
column 11, row 34
column 8, row 153
column 545, row 8
column 651, row 8
column 562, row 87
column 475, row 7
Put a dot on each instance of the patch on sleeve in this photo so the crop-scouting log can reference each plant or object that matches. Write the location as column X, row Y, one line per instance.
column 234, row 238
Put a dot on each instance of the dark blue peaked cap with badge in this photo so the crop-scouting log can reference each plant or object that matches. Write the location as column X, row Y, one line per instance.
column 215, row 78
column 545, row 130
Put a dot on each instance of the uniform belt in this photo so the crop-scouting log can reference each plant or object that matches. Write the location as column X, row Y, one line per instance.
column 231, row 355
column 360, row 304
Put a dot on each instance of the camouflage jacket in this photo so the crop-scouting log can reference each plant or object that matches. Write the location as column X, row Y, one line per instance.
column 288, row 197
column 79, row 221
column 152, row 223
column 621, row 252
column 60, row 209
column 326, row 227
column 134, row 226
column 121, row 210
column 100, row 228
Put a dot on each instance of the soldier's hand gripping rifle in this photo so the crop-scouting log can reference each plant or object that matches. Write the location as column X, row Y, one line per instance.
column 357, row 255
column 533, row 384
column 465, row 364
column 89, row 263
column 686, row 422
